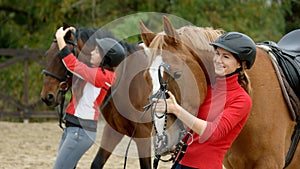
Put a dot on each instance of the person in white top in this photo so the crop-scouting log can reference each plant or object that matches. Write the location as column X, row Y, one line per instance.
column 87, row 95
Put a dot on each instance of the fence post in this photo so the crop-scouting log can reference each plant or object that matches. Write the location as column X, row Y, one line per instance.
column 26, row 98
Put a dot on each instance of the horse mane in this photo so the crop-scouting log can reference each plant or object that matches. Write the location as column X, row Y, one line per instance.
column 198, row 39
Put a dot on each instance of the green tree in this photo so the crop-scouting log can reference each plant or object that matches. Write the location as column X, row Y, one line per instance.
column 32, row 23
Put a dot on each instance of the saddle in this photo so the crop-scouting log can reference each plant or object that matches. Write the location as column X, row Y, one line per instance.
column 287, row 53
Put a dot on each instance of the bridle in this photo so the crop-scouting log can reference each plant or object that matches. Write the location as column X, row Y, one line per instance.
column 162, row 138
column 161, row 93
column 63, row 85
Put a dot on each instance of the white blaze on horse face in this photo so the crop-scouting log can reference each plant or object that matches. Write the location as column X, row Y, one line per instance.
column 153, row 71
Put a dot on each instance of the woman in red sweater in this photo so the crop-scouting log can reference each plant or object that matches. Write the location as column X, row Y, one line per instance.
column 90, row 86
column 226, row 107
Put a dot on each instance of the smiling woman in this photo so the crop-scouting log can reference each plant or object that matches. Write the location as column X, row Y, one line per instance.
column 214, row 130
column 224, row 104
column 225, row 63
column 220, row 111
column 235, row 52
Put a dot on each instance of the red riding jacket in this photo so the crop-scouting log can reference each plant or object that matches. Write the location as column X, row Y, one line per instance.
column 85, row 111
column 226, row 109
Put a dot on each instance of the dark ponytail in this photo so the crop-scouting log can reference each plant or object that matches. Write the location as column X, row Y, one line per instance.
column 244, row 79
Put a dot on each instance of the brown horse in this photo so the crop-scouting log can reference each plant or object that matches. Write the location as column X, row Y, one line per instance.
column 123, row 105
column 265, row 140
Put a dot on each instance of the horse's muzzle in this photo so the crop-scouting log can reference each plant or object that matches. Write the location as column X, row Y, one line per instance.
column 49, row 99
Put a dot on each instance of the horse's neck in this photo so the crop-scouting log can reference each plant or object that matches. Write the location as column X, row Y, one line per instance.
column 207, row 65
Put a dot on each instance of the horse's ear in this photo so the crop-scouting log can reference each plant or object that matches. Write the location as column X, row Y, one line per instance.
column 68, row 34
column 65, row 25
column 170, row 31
column 146, row 34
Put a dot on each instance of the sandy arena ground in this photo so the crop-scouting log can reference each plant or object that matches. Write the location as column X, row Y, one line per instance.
column 34, row 146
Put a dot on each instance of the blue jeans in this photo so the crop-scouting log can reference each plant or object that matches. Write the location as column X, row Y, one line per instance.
column 74, row 143
column 179, row 166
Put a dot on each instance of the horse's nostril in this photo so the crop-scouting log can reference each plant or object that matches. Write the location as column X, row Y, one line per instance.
column 50, row 98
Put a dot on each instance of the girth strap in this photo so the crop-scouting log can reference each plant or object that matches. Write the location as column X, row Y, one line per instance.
column 294, row 143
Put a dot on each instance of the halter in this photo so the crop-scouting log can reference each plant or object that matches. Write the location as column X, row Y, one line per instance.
column 161, row 93
column 74, row 51
column 63, row 85
column 163, row 137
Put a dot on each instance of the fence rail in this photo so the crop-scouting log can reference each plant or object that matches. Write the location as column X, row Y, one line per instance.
column 23, row 110
column 28, row 115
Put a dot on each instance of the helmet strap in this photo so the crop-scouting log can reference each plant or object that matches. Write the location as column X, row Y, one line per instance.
column 235, row 72
column 102, row 66
column 105, row 66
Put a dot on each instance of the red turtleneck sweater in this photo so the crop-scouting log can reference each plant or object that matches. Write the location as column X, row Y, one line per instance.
column 226, row 109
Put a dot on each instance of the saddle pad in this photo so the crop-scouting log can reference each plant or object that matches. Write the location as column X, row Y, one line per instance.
column 289, row 94
column 290, row 65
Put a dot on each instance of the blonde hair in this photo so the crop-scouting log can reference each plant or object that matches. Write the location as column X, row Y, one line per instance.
column 244, row 79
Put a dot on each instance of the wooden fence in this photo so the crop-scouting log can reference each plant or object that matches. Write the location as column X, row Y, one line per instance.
column 23, row 110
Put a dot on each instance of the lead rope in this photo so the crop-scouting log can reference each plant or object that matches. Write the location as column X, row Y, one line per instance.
column 146, row 108
column 61, row 113
column 161, row 93
column 158, row 94
column 163, row 137
column 181, row 148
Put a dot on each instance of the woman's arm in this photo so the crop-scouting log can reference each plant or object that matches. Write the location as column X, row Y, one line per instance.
column 93, row 75
column 230, row 117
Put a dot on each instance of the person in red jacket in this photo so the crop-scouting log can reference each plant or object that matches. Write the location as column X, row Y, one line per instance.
column 225, row 109
column 90, row 85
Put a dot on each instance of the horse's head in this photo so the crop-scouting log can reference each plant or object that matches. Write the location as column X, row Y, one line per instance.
column 56, row 79
column 189, row 57
column 56, row 76
column 81, row 42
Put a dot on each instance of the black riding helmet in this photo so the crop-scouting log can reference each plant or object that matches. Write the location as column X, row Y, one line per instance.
column 241, row 45
column 113, row 52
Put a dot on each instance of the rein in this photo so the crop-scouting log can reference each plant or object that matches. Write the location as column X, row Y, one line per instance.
column 163, row 138
column 160, row 93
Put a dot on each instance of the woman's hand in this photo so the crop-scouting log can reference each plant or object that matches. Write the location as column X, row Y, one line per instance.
column 188, row 119
column 171, row 103
column 60, row 34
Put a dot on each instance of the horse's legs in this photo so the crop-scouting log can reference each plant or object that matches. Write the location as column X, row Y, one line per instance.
column 145, row 162
column 143, row 143
column 110, row 139
column 144, row 151
column 100, row 159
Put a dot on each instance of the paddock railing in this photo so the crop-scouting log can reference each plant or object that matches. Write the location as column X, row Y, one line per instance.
column 22, row 108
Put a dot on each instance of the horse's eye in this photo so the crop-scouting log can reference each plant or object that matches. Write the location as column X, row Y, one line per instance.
column 177, row 74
